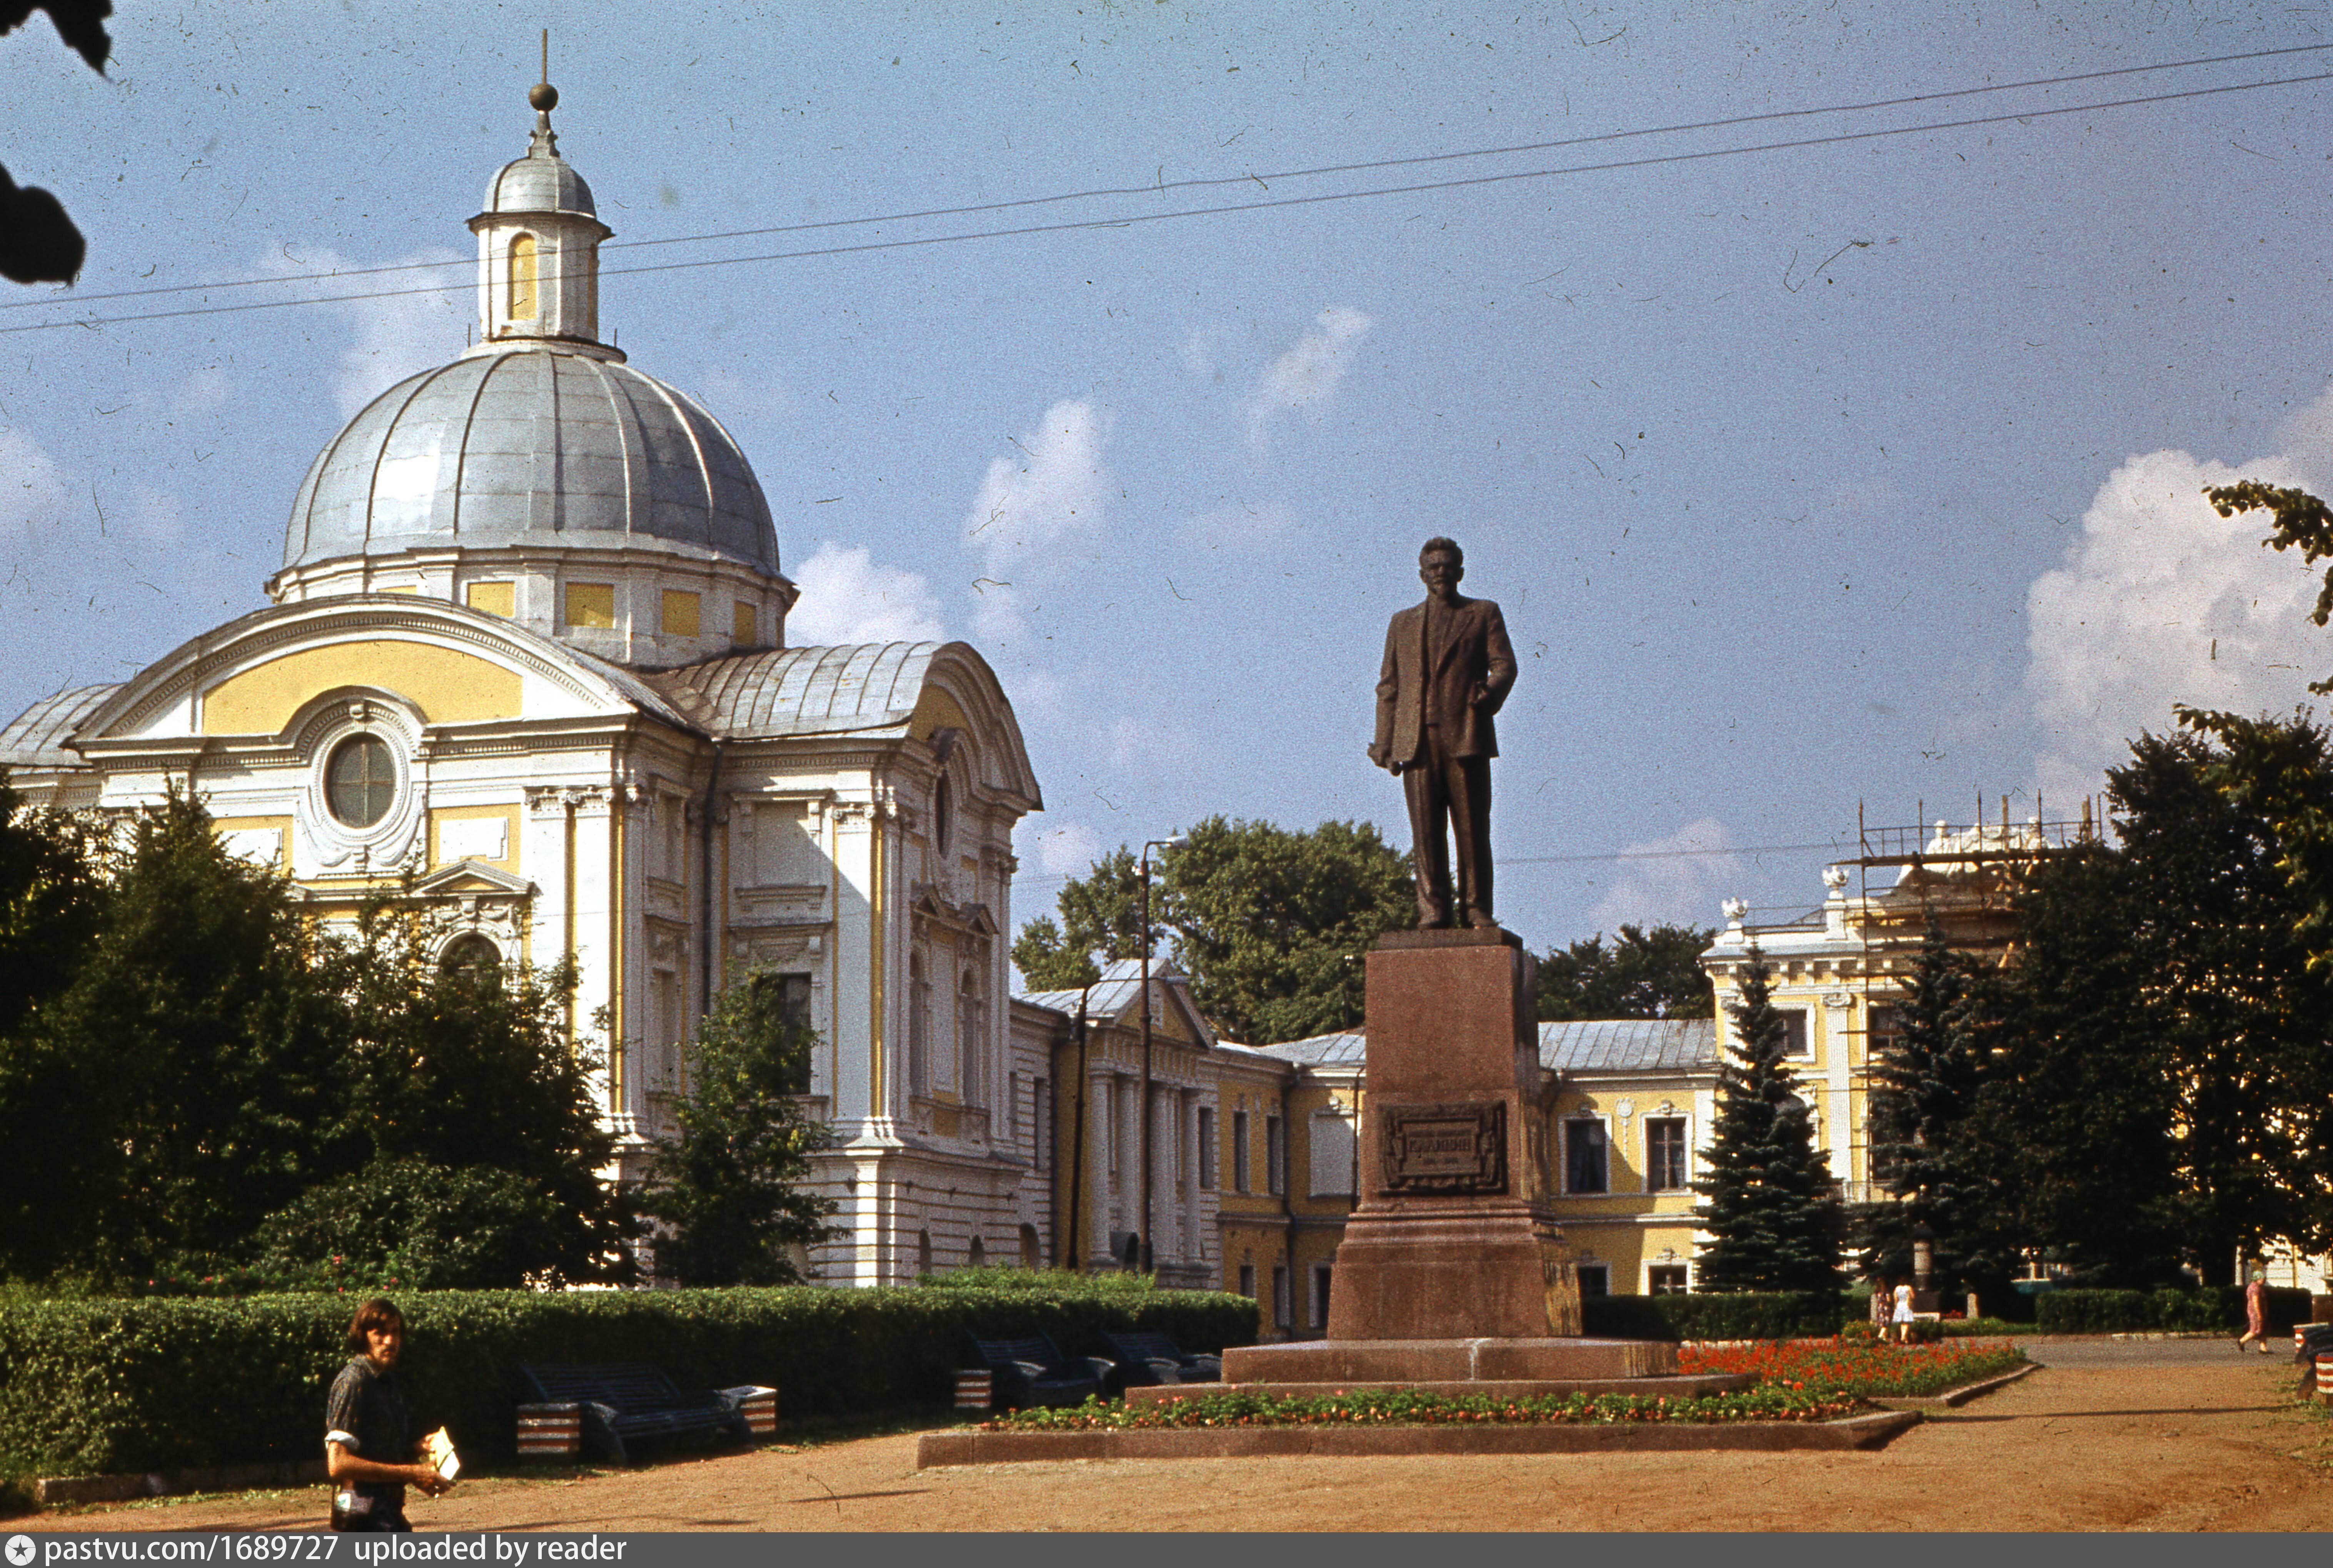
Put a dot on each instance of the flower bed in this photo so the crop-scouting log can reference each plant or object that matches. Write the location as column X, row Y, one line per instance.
column 1864, row 1370
column 1776, row 1401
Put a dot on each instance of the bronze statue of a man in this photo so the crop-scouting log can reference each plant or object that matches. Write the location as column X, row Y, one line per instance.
column 1447, row 668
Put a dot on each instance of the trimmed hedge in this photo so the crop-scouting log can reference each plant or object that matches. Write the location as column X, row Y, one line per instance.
column 110, row 1386
column 1728, row 1315
column 2216, row 1308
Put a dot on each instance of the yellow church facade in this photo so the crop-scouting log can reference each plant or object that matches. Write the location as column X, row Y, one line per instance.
column 527, row 649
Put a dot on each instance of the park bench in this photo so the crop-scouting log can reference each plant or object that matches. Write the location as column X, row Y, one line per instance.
column 1033, row 1372
column 634, row 1400
column 1147, row 1359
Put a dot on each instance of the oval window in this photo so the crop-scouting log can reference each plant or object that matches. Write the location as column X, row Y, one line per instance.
column 359, row 781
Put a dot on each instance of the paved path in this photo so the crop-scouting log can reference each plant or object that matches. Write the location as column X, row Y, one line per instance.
column 2164, row 1435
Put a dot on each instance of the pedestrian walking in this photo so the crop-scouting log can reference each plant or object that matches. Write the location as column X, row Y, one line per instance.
column 1901, row 1318
column 367, row 1437
column 2255, row 1314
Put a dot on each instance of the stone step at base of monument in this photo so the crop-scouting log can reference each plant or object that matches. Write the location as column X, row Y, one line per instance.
column 1675, row 1388
column 1418, row 1362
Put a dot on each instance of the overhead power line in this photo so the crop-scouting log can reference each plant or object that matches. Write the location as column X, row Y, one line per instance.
column 1600, row 856
column 1212, row 181
column 1132, row 219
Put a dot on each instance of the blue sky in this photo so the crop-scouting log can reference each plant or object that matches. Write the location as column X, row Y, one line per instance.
column 1861, row 471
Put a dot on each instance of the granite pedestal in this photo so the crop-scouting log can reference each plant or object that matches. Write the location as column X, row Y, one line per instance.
column 1452, row 1274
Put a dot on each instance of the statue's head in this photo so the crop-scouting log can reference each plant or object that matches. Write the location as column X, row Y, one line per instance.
column 1440, row 566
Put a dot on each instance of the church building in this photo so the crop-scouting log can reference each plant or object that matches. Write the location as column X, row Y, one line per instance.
column 528, row 643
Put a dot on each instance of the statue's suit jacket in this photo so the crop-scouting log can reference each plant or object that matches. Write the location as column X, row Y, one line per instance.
column 1469, row 673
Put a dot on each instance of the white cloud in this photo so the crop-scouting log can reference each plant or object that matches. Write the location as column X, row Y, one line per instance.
column 2162, row 600
column 846, row 598
column 1243, row 526
column 394, row 337
column 1679, row 880
column 32, row 486
column 1307, row 376
column 1050, row 491
column 1198, row 360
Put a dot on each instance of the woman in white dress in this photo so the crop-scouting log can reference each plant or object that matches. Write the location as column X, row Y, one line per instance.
column 1901, row 1318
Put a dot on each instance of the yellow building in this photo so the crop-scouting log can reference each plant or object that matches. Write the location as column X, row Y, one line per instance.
column 528, row 642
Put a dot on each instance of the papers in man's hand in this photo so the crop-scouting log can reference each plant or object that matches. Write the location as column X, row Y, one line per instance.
column 439, row 1449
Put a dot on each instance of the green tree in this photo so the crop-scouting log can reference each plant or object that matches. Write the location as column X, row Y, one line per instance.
column 462, row 1072
column 1927, row 1148
column 1654, row 973
column 1270, row 924
column 1770, row 1208
column 38, row 242
column 412, row 1225
column 730, row 1185
column 171, row 1091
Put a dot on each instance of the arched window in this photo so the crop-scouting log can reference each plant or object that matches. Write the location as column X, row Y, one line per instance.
column 1029, row 1254
column 977, row 1254
column 522, row 300
column 359, row 781
column 923, row 1253
column 472, row 959
column 971, row 1041
column 919, row 1027
column 943, row 813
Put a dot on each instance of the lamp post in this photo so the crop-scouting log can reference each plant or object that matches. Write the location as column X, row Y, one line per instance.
column 1175, row 842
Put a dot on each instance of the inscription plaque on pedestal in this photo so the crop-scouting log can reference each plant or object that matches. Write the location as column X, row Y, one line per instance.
column 1433, row 1149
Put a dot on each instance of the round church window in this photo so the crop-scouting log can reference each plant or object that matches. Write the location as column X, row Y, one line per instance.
column 359, row 781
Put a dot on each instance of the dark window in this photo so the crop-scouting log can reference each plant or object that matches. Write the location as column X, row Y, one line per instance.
column 1595, row 1280
column 1666, row 1279
column 473, row 960
column 1239, row 1151
column 1584, row 1164
column 359, row 781
column 1283, row 1309
column 1320, row 1272
column 1207, row 1155
column 943, row 813
column 1247, row 1280
column 784, row 999
column 1796, row 1040
column 1275, row 1155
column 1664, row 1153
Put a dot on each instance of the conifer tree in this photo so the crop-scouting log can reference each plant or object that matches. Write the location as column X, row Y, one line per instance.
column 1771, row 1210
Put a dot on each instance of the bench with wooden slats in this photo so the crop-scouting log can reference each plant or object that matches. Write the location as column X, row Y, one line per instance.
column 624, row 1402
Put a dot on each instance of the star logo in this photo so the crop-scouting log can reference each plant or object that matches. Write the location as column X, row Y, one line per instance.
column 20, row 1551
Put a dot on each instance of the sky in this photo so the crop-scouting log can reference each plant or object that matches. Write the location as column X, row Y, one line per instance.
column 1826, row 451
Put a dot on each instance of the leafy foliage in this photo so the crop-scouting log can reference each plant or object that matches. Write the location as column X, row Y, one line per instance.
column 247, row 1058
column 1654, row 973
column 730, row 1185
column 1728, row 1315
column 407, row 1224
column 38, row 242
column 1270, row 924
column 1771, row 1211
column 2163, row 1093
column 107, row 1386
column 2302, row 522
column 2213, row 1309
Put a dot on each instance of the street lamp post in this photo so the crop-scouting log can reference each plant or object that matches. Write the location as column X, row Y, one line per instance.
column 1176, row 843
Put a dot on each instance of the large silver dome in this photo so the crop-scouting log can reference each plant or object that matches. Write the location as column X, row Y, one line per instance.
column 535, row 448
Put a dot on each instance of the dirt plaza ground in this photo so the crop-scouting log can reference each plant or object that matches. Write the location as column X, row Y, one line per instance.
column 2162, row 1435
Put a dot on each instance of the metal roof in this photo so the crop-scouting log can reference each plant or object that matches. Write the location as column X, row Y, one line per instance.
column 802, row 690
column 1348, row 1048
column 1114, row 993
column 539, row 447
column 36, row 737
column 1630, row 1045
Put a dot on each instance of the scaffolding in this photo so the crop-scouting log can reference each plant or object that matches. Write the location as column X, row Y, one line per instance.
column 1962, row 877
